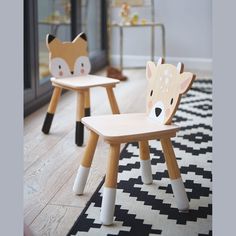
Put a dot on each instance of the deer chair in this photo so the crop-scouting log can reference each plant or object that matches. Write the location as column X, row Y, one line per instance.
column 166, row 84
column 70, row 66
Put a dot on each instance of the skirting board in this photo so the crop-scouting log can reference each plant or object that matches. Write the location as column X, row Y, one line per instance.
column 204, row 64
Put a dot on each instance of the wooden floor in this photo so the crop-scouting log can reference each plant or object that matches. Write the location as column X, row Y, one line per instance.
column 51, row 161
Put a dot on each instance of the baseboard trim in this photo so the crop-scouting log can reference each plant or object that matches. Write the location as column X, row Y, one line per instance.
column 195, row 63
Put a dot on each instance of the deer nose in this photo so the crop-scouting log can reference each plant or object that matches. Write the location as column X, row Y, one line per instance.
column 158, row 111
column 72, row 72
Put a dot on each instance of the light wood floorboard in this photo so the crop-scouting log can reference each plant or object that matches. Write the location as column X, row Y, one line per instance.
column 55, row 220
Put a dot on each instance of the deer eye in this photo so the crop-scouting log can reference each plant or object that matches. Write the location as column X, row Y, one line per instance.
column 171, row 101
column 82, row 64
column 151, row 93
column 59, row 66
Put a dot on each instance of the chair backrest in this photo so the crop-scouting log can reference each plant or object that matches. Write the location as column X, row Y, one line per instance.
column 68, row 59
column 166, row 84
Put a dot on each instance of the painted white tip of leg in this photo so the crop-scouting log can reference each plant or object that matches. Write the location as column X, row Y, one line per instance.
column 80, row 180
column 108, row 206
column 180, row 194
column 146, row 171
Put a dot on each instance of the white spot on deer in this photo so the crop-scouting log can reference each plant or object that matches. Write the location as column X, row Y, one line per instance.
column 166, row 72
column 166, row 80
column 157, row 112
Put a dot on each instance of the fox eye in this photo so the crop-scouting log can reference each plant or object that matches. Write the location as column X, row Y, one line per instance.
column 151, row 93
column 171, row 101
column 82, row 64
column 59, row 66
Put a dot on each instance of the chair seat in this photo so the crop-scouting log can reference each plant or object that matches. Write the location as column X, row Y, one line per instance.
column 84, row 82
column 128, row 127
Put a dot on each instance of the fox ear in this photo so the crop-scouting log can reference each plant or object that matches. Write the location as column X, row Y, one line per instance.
column 80, row 38
column 83, row 36
column 186, row 80
column 150, row 69
column 51, row 41
column 50, row 38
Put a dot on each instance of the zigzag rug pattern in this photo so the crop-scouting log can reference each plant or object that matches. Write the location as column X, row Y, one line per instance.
column 150, row 209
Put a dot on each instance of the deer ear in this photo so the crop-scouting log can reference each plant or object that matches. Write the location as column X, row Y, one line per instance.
column 186, row 80
column 150, row 69
column 160, row 61
column 52, row 41
column 180, row 67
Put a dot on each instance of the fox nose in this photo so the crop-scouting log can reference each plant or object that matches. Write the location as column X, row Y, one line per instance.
column 72, row 72
column 158, row 111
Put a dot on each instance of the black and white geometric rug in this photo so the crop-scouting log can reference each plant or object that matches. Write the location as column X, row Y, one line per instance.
column 150, row 209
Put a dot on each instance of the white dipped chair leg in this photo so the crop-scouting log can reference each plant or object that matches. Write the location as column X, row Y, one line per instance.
column 145, row 162
column 108, row 206
column 146, row 171
column 175, row 176
column 80, row 180
column 180, row 195
column 83, row 171
column 109, row 190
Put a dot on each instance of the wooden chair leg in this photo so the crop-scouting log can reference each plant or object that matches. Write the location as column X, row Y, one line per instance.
column 79, row 132
column 109, row 190
column 175, row 176
column 87, row 111
column 85, row 164
column 51, row 110
column 112, row 100
column 145, row 162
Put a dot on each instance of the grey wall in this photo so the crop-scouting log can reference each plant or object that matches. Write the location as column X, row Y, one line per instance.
column 188, row 31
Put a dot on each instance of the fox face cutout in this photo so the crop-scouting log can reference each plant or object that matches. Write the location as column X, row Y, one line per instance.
column 166, row 84
column 68, row 59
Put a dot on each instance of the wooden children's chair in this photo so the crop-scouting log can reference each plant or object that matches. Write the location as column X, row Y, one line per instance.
column 166, row 84
column 70, row 66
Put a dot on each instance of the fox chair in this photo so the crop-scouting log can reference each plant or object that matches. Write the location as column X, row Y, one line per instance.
column 70, row 66
column 166, row 84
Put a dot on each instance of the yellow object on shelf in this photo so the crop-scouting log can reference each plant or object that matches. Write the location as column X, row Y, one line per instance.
column 134, row 19
column 143, row 21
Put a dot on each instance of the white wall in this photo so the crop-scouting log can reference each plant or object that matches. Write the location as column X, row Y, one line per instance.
column 188, row 34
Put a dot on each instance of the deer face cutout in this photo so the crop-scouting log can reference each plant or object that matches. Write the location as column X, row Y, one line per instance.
column 166, row 84
column 68, row 59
